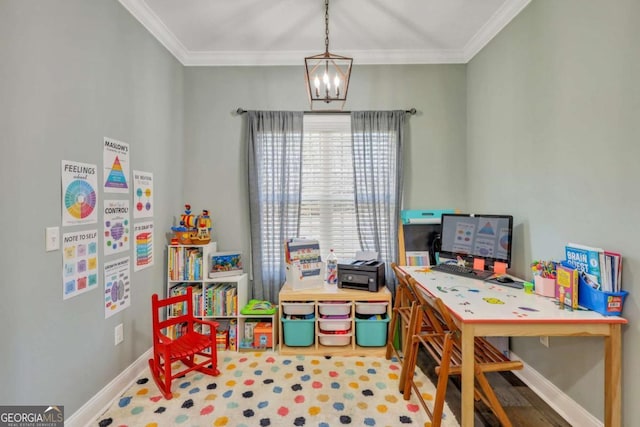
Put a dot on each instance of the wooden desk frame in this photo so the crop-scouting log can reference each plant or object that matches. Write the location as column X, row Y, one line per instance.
column 609, row 327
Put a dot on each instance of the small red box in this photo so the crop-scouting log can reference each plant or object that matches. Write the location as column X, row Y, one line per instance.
column 262, row 334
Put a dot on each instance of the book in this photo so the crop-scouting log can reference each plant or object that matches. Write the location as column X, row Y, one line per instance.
column 567, row 284
column 587, row 260
column 615, row 259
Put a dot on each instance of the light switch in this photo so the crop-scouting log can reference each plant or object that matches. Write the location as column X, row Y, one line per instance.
column 52, row 239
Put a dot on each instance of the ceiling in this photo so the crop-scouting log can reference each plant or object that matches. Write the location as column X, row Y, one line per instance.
column 283, row 32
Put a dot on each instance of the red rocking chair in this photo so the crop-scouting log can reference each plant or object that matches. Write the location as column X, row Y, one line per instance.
column 187, row 344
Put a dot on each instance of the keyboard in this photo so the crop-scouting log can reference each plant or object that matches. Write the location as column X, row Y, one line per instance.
column 459, row 270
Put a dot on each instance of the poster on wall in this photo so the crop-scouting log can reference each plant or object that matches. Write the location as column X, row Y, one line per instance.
column 116, row 166
column 79, row 262
column 79, row 193
column 117, row 286
column 142, row 194
column 116, row 226
column 143, row 238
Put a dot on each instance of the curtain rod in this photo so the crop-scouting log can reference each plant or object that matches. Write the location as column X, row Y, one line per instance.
column 411, row 111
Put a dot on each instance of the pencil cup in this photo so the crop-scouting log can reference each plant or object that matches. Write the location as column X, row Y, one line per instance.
column 545, row 286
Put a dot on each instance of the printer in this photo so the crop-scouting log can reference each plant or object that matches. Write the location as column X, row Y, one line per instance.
column 364, row 275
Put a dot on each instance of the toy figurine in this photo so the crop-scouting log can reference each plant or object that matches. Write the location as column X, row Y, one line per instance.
column 184, row 231
column 203, row 228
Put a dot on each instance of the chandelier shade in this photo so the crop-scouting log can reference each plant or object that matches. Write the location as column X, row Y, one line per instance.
column 327, row 74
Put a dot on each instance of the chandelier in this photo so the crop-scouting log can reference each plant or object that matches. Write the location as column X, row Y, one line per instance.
column 327, row 74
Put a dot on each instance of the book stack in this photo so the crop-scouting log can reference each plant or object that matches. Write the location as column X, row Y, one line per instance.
column 304, row 266
column 601, row 269
column 185, row 263
column 221, row 299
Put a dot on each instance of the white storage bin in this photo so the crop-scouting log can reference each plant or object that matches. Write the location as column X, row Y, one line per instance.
column 334, row 308
column 379, row 307
column 334, row 324
column 334, row 339
column 299, row 308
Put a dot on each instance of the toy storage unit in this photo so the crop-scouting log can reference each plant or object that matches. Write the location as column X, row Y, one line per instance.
column 324, row 321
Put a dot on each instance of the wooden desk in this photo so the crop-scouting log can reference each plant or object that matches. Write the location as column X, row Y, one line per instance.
column 484, row 309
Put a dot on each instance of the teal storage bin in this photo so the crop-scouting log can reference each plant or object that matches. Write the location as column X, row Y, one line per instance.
column 371, row 333
column 298, row 332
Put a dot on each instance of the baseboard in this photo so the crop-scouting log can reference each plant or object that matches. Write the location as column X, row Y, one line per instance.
column 566, row 407
column 99, row 403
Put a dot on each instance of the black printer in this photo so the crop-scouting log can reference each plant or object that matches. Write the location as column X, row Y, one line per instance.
column 365, row 275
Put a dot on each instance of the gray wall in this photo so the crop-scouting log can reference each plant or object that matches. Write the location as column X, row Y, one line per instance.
column 71, row 73
column 553, row 108
column 215, row 176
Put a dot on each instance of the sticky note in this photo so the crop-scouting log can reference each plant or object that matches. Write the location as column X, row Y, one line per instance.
column 499, row 267
column 478, row 264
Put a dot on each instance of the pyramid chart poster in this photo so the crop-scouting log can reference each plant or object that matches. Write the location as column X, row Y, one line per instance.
column 116, row 166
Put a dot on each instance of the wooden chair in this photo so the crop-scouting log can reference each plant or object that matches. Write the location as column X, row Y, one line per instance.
column 404, row 309
column 186, row 344
column 445, row 347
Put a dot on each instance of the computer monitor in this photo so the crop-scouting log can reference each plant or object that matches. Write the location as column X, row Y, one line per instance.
column 472, row 236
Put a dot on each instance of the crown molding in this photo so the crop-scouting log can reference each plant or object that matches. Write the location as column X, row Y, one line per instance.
column 364, row 57
column 500, row 19
column 145, row 15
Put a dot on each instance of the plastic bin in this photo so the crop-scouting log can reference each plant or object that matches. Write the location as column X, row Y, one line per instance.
column 334, row 308
column 334, row 324
column 372, row 333
column 378, row 307
column 298, row 332
column 605, row 303
column 300, row 308
column 334, row 339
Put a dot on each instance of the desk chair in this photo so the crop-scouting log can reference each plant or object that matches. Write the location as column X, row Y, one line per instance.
column 403, row 322
column 187, row 343
column 445, row 347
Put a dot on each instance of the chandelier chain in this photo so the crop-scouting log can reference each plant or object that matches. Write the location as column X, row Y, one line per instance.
column 326, row 25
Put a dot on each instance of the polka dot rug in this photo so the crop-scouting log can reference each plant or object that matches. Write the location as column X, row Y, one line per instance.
column 265, row 389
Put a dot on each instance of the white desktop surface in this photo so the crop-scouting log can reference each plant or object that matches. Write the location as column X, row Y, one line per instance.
column 485, row 309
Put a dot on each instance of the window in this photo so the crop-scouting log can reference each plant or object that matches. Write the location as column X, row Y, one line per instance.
column 327, row 207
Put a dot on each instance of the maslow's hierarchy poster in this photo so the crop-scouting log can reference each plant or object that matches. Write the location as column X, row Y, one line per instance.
column 116, row 166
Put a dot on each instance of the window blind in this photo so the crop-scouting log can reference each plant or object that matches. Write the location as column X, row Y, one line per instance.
column 328, row 210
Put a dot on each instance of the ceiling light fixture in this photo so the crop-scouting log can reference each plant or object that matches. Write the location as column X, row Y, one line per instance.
column 327, row 74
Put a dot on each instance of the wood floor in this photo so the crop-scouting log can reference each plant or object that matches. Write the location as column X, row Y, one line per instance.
column 522, row 405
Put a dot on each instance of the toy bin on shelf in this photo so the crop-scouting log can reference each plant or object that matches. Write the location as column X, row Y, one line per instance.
column 298, row 332
column 372, row 332
column 335, row 339
column 334, row 308
column 376, row 307
column 605, row 303
column 298, row 308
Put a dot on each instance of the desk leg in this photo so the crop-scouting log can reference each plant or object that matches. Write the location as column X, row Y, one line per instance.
column 468, row 333
column 612, row 377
